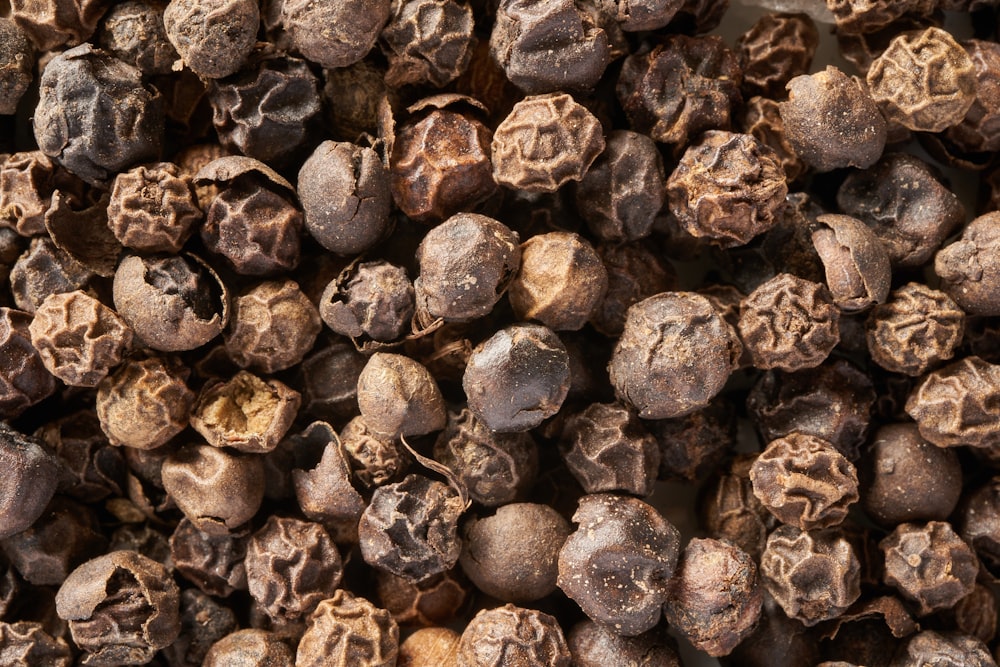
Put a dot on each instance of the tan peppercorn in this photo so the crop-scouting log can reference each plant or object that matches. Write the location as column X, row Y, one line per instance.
column 246, row 412
column 273, row 327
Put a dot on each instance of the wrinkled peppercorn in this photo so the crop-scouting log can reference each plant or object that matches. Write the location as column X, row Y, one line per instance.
column 376, row 299
column 133, row 31
column 212, row 562
column 777, row 48
column 513, row 635
column 427, row 41
column 16, row 64
column 144, row 403
column 213, row 38
column 24, row 379
column 917, row 329
column 956, row 405
column 252, row 648
column 398, row 397
column 969, row 272
column 348, row 630
column 272, row 328
column 245, row 412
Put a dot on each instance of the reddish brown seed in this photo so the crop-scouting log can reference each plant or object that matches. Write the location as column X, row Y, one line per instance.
column 245, row 412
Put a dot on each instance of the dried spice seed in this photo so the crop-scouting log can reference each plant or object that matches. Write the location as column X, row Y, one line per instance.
column 376, row 300
column 133, row 31
column 51, row 24
column 213, row 38
column 251, row 647
column 427, row 41
column 29, row 482
column 854, row 260
column 513, row 635
column 427, row 603
column 212, row 562
column 27, row 643
column 349, row 28
column 348, row 630
column 273, row 327
column 45, row 269
column 16, row 64
column 635, row 272
column 777, row 48
column 398, row 396
column 153, row 208
column 762, row 120
column 968, row 268
column 949, row 648
column 24, row 379
column 245, row 412
column 956, row 405
column 594, row 645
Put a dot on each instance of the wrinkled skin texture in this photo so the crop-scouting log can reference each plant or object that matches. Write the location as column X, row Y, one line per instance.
column 334, row 34
column 957, row 405
column 855, row 261
column 512, row 636
column 969, row 268
column 213, row 37
column 348, row 631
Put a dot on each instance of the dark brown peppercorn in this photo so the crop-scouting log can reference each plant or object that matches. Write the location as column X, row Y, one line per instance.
column 854, row 260
column 517, row 378
column 635, row 272
column 440, row 165
column 923, row 81
column 328, row 380
column 595, row 645
column 153, row 208
column 548, row 46
column 979, row 130
column 121, row 607
column 273, row 327
column 804, row 481
column 45, row 269
column 732, row 513
column 411, row 528
column 979, row 522
column 16, row 64
column 250, row 648
column 762, row 120
column 94, row 115
column 375, row 459
column 427, row 41
column 607, row 448
column 916, row 330
column 831, row 121
column 680, row 89
column 144, row 403
column 348, row 630
column 203, row 621
column 466, row 264
column 133, row 31
column 560, row 282
column 344, row 189
column 813, row 575
column 24, row 380
column 623, row 191
column 213, row 38
column 509, row 563
column 52, row 24
column 246, row 412
column 324, row 490
column 27, row 181
column 777, row 48
column 78, row 338
column 674, row 355
column 212, row 562
column 545, row 142
column 93, row 469
column 349, row 29
column 929, row 564
column 291, row 566
column 789, row 323
column 618, row 562
column 173, row 302
column 976, row 613
column 727, row 188
column 905, row 478
column 432, row 601
column 218, row 490
column 374, row 300
column 27, row 643
column 905, row 203
column 512, row 635
column 265, row 112
column 949, row 649
column 495, row 468
column 715, row 598
column 29, row 481
column 399, row 397
column 693, row 445
column 969, row 268
column 957, row 405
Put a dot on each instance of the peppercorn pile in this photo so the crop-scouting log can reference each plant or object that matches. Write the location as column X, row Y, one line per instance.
column 363, row 333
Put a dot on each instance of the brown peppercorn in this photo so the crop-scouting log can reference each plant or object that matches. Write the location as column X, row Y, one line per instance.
column 517, row 378
column 917, row 329
column 153, row 208
column 607, row 448
column 432, row 601
column 274, row 131
column 374, row 300
column 618, row 562
column 727, row 188
column 979, row 522
column 30, row 477
column 144, row 403
column 923, row 81
column 410, row 528
column 273, row 327
column 804, row 481
column 214, row 37
column 929, row 564
column 96, row 139
column 375, row 459
column 466, row 264
column 511, row 635
column 855, row 261
column 349, row 29
column 133, row 31
column 429, row 647
column 45, row 269
column 957, row 405
column 427, row 41
column 905, row 478
column 51, row 25
column 495, row 468
column 348, row 630
column 440, row 165
column 548, row 46
column 635, row 272
column 624, row 189
column 508, row 562
column 344, row 190
column 976, row 613
column 27, row 643
column 122, row 608
column 831, row 121
column 27, row 181
column 777, row 48
column 681, row 88
column 78, row 338
column 813, row 575
column 17, row 58
column 857, row 16
column 24, row 379
column 292, row 566
column 693, row 445
column 250, row 648
column 328, row 380
column 595, row 645
column 714, row 598
column 212, row 562
column 948, row 649
column 833, row 402
column 969, row 268
column 545, row 142
column 93, row 469
column 789, row 323
column 245, row 412
column 324, row 490
column 399, row 397
column 979, row 131
column 172, row 303
column 560, row 282
column 762, row 120
column 729, row 510
column 905, row 203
